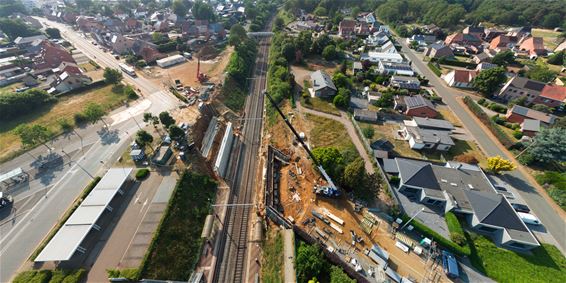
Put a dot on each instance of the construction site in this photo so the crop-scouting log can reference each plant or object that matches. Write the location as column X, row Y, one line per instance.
column 362, row 240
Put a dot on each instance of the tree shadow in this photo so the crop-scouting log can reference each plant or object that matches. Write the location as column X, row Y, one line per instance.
column 47, row 166
column 108, row 136
column 519, row 184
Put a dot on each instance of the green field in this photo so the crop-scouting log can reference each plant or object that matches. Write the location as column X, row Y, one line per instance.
column 65, row 107
column 321, row 105
column 272, row 270
column 176, row 246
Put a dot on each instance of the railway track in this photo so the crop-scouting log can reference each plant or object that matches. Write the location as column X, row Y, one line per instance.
column 232, row 258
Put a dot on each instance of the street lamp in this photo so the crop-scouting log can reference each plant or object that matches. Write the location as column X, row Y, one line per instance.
column 71, row 160
column 422, row 209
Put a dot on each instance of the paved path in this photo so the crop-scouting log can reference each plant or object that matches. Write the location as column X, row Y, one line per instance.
column 344, row 120
column 532, row 193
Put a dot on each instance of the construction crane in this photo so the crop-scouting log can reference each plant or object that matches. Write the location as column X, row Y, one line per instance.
column 201, row 77
column 333, row 190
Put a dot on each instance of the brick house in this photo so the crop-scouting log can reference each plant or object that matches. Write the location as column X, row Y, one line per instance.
column 460, row 78
column 416, row 106
column 552, row 96
column 460, row 38
column 518, row 114
column 438, row 51
column 52, row 55
column 346, row 28
column 521, row 87
column 534, row 46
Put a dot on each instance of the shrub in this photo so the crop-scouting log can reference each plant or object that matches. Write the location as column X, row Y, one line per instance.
column 80, row 118
column 466, row 158
column 394, row 179
column 434, row 68
column 142, row 173
column 526, row 159
column 484, row 118
column 497, row 108
column 481, row 101
column 517, row 134
column 368, row 132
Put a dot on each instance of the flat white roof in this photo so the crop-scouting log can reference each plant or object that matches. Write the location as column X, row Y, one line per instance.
column 64, row 244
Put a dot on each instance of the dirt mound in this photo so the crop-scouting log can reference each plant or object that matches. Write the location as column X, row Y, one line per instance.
column 207, row 53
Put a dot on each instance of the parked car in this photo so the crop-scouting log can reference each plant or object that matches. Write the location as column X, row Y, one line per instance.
column 521, row 207
column 504, row 192
column 450, row 265
column 529, row 218
column 5, row 201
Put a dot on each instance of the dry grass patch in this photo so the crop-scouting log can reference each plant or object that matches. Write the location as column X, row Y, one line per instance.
column 327, row 132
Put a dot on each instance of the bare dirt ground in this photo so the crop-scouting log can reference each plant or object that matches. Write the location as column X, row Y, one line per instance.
column 303, row 72
column 298, row 199
column 187, row 72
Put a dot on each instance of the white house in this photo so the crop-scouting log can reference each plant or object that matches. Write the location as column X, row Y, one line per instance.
column 376, row 57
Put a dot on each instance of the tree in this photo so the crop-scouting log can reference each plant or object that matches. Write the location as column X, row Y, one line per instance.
column 94, row 112
column 552, row 20
column 83, row 4
column 560, row 123
column 176, row 133
column 320, row 11
column 203, row 11
column 340, row 101
column 557, row 58
column 237, row 36
column 355, row 175
column 15, row 28
column 329, row 52
column 129, row 92
column 542, row 108
column 179, row 8
column 368, row 132
column 112, row 76
column 487, row 81
column 341, row 81
column 309, row 262
column 498, row 164
column 466, row 158
column 330, row 159
column 355, row 12
column 337, row 275
column 53, row 33
column 549, row 145
column 541, row 73
column 143, row 138
column 278, row 24
column 504, row 58
column 288, row 51
column 8, row 8
column 65, row 124
column 33, row 135
column 386, row 100
column 166, row 119
column 320, row 43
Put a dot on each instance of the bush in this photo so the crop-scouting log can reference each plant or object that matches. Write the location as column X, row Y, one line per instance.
column 466, row 158
column 526, row 158
column 517, row 134
column 394, row 180
column 132, row 274
column 368, row 132
column 142, row 173
column 481, row 101
column 434, row 68
column 80, row 118
column 498, row 108
column 484, row 118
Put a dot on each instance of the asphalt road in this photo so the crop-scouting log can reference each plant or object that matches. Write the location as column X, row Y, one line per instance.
column 39, row 204
column 233, row 262
column 552, row 221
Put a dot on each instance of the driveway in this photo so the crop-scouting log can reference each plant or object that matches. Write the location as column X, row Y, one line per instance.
column 548, row 212
column 344, row 120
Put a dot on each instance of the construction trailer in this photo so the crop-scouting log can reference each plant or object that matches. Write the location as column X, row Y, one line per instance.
column 224, row 152
column 170, row 61
column 12, row 178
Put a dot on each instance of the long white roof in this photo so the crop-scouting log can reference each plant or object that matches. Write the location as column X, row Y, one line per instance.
column 64, row 244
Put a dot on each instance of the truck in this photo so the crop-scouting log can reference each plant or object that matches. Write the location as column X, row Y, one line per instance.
column 327, row 191
column 127, row 69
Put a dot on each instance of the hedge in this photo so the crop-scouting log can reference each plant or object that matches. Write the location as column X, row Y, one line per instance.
column 491, row 125
column 429, row 233
column 434, row 69
column 449, row 62
column 66, row 216
column 51, row 276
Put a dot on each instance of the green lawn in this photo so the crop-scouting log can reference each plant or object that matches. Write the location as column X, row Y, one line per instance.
column 320, row 105
column 286, row 16
column 176, row 248
column 327, row 132
column 51, row 276
column 272, row 267
column 548, row 37
column 545, row 264
column 10, row 87
column 65, row 107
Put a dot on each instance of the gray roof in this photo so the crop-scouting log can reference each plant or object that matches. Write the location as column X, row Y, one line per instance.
column 530, row 125
column 320, row 79
column 520, row 82
column 533, row 114
column 357, row 66
column 433, row 123
column 405, row 79
column 417, row 101
column 29, row 39
column 389, row 166
column 365, row 114
column 430, row 135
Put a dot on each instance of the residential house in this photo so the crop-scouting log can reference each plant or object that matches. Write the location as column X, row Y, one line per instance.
column 404, row 82
column 299, row 26
column 530, row 127
column 422, row 40
column 426, row 133
column 322, row 85
column 366, row 17
column 376, row 57
column 533, row 46
column 363, row 29
column 121, row 44
column 521, row 87
column 438, row 51
column 553, row 96
column 519, row 32
column 52, row 55
column 346, row 28
column 465, row 190
column 460, row 78
column 25, row 42
column 490, row 34
column 68, row 67
column 485, row 66
column 67, row 81
column 416, row 106
column 365, row 115
column 502, row 43
column 376, row 39
column 88, row 24
column 430, row 29
column 132, row 25
column 357, row 67
column 462, row 39
column 389, row 68
column 114, row 25
column 478, row 32
column 518, row 114
column 482, row 57
column 150, row 54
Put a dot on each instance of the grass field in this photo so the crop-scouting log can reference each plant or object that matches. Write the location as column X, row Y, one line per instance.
column 327, row 132
column 10, row 87
column 65, row 107
column 176, row 247
column 548, row 37
column 545, row 264
column 320, row 105
column 272, row 267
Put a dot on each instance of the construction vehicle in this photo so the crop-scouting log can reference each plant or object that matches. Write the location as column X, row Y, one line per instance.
column 301, row 141
column 327, row 191
column 201, row 77
column 319, row 216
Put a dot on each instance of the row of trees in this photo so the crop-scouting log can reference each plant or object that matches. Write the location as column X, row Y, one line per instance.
column 448, row 14
column 14, row 105
column 16, row 27
column 311, row 266
column 259, row 13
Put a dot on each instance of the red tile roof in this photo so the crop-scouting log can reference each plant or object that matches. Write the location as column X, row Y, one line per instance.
column 500, row 41
column 533, row 45
column 554, row 92
column 464, row 76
